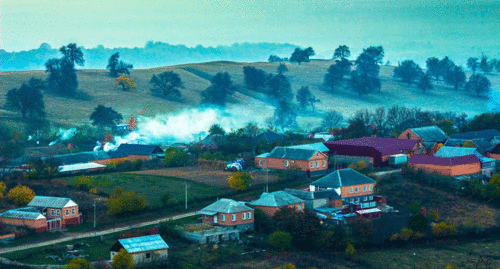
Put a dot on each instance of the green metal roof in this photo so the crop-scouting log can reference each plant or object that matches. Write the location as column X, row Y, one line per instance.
column 275, row 199
column 143, row 243
column 225, row 206
column 342, row 178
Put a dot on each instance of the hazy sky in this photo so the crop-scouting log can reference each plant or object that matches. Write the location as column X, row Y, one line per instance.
column 323, row 24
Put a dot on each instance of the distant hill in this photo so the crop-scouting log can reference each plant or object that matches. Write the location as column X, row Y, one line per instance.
column 151, row 55
column 96, row 87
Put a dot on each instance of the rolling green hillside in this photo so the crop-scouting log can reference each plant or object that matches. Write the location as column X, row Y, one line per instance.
column 95, row 87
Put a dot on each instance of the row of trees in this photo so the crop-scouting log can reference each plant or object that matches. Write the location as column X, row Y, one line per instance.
column 411, row 73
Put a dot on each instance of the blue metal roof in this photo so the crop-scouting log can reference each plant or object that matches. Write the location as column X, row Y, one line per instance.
column 278, row 198
column 316, row 146
column 143, row 243
column 29, row 213
column 225, row 206
column 449, row 152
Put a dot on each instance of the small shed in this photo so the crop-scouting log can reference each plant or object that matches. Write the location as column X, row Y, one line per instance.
column 143, row 249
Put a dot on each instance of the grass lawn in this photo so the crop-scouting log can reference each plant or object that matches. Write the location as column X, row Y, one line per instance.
column 151, row 187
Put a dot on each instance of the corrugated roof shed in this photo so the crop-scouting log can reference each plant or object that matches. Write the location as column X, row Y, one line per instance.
column 79, row 167
column 484, row 134
column 138, row 149
column 225, row 206
column 143, row 243
column 50, row 201
column 29, row 213
column 422, row 159
column 311, row 195
column 277, row 198
column 448, row 152
column 292, row 153
column 430, row 133
column 316, row 146
column 342, row 178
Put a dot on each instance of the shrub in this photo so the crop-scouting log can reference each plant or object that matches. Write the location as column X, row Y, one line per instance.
column 405, row 234
column 78, row 263
column 444, row 229
column 418, row 222
column 280, row 240
column 350, row 251
column 83, row 183
column 434, row 215
column 167, row 230
column 239, row 180
column 123, row 260
column 21, row 194
column 3, row 187
column 175, row 157
column 121, row 202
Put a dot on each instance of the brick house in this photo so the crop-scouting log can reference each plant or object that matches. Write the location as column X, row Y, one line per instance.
column 373, row 150
column 452, row 166
column 488, row 165
column 425, row 134
column 229, row 213
column 272, row 202
column 305, row 159
column 349, row 184
column 143, row 249
column 57, row 208
column 139, row 151
column 317, row 199
column 26, row 216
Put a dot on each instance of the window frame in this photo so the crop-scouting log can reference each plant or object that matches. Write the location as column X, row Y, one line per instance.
column 52, row 212
column 223, row 218
column 324, row 163
column 350, row 190
column 234, row 217
column 249, row 215
column 261, row 163
column 364, row 188
column 58, row 212
column 287, row 163
column 67, row 212
column 244, row 216
column 356, row 189
column 73, row 211
column 370, row 187
column 312, row 164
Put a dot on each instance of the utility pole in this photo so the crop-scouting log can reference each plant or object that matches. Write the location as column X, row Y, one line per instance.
column 267, row 180
column 94, row 217
column 186, row 196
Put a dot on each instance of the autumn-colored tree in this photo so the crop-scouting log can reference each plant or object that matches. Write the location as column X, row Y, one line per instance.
column 123, row 260
column 175, row 157
column 83, row 183
column 438, row 146
column 280, row 240
column 126, row 82
column 434, row 215
column 450, row 266
column 78, row 263
column 121, row 201
column 108, row 137
column 350, row 250
column 21, row 194
column 239, row 180
column 443, row 229
column 287, row 266
column 132, row 123
column 3, row 187
column 468, row 144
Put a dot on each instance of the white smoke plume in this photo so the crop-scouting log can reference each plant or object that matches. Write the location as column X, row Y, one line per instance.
column 187, row 126
column 63, row 135
column 494, row 100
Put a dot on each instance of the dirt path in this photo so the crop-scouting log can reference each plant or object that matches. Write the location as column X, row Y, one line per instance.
column 93, row 234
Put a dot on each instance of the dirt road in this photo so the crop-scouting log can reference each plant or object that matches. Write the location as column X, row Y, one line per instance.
column 92, row 234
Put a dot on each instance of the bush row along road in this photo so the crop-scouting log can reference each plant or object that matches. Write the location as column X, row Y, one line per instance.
column 93, row 234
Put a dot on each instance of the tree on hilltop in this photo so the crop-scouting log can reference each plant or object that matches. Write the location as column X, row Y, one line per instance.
column 126, row 82
column 117, row 67
column 478, row 84
column 425, row 83
column 254, row 77
column 342, row 52
column 167, row 84
column 28, row 99
column 217, row 93
column 408, row 71
column 473, row 64
column 72, row 54
column 306, row 98
column 105, row 116
column 300, row 56
column 455, row 77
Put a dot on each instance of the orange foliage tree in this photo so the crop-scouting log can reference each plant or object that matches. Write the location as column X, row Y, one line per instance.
column 125, row 82
column 21, row 194
column 239, row 180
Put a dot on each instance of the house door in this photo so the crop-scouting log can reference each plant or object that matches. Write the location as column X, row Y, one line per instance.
column 215, row 218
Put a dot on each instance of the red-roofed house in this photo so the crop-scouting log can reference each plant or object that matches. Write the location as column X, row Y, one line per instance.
column 375, row 149
column 454, row 166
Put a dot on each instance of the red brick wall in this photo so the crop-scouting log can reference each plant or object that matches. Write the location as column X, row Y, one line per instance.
column 71, row 221
column 35, row 224
column 277, row 163
column 139, row 157
column 492, row 155
column 113, row 161
column 229, row 219
column 404, row 135
column 346, row 191
column 336, row 203
column 455, row 170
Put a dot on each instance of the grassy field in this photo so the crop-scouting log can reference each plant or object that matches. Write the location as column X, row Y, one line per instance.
column 149, row 186
column 96, row 87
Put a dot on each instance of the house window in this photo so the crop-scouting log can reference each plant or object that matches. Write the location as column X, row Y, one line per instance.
column 148, row 255
column 317, row 154
column 244, row 216
column 312, row 164
column 286, row 163
column 365, row 198
column 67, row 212
column 300, row 206
column 249, row 215
column 350, row 190
column 58, row 212
column 234, row 217
column 317, row 163
column 370, row 188
column 364, row 188
column 261, row 163
column 52, row 212
column 72, row 211
column 357, row 189
column 408, row 135
column 324, row 163
column 223, row 217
